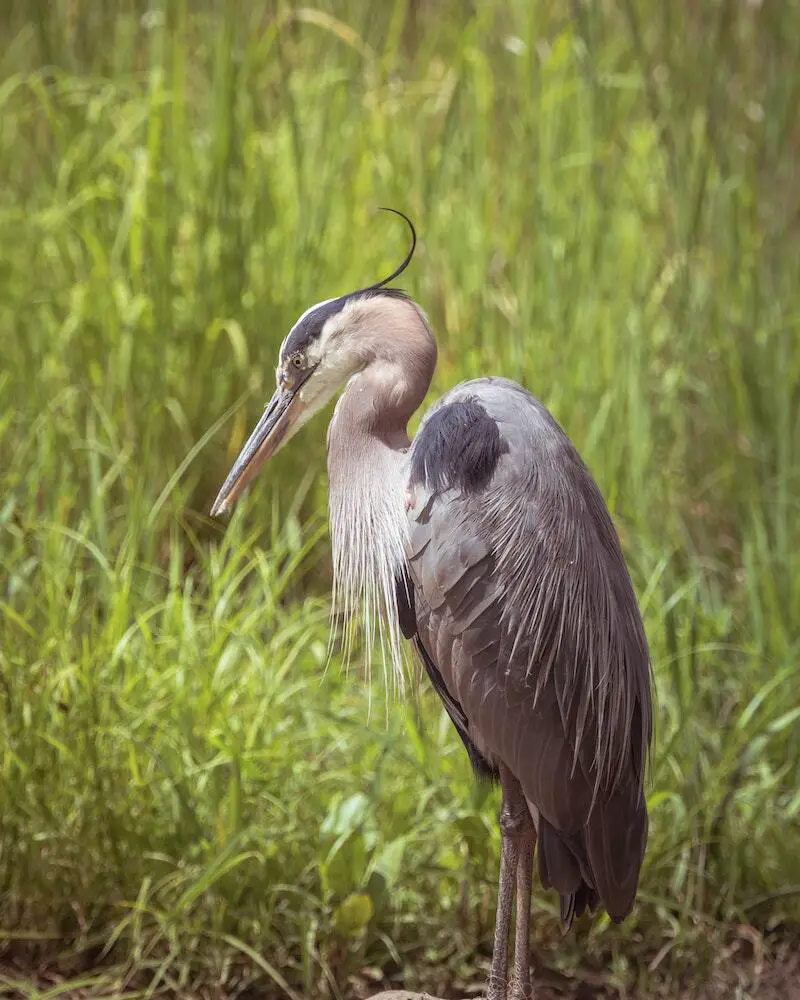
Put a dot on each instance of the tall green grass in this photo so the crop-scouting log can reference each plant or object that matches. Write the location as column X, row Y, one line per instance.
column 608, row 213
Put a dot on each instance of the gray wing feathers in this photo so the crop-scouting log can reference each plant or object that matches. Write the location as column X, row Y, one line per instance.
column 527, row 607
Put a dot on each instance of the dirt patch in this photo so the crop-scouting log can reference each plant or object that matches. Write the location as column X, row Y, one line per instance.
column 745, row 967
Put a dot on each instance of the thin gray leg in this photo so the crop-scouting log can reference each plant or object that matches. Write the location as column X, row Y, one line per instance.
column 516, row 828
column 498, row 976
column 521, row 988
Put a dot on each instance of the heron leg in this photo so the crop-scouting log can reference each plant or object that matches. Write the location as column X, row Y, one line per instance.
column 521, row 988
column 498, row 982
column 515, row 827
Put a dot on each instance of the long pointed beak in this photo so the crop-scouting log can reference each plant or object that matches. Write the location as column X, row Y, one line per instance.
column 280, row 416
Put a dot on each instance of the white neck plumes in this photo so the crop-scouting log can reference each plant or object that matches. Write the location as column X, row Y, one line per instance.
column 368, row 533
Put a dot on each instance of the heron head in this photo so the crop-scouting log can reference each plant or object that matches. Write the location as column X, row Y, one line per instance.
column 324, row 349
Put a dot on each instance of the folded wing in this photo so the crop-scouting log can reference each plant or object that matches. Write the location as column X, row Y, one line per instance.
column 525, row 612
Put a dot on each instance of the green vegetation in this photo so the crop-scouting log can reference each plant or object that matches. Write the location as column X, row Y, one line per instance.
column 608, row 207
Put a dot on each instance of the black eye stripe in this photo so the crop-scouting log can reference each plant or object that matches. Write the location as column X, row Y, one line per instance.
column 308, row 329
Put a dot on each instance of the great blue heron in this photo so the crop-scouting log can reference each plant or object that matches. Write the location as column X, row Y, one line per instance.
column 487, row 543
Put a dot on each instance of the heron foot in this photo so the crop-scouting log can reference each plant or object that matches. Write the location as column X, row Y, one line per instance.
column 500, row 989
column 497, row 988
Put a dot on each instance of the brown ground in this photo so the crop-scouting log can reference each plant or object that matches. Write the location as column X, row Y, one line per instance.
column 746, row 968
column 764, row 980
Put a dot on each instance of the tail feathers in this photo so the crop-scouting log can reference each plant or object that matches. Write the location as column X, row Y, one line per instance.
column 563, row 866
column 598, row 864
column 574, row 904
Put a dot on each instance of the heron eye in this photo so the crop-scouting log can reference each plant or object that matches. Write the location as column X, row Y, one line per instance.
column 296, row 361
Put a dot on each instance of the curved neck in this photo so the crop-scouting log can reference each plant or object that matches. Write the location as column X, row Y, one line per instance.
column 373, row 411
column 399, row 355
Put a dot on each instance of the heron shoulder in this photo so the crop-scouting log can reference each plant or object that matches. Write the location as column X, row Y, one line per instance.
column 457, row 447
column 484, row 429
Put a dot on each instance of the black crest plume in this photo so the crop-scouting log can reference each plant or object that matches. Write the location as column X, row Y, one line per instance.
column 396, row 273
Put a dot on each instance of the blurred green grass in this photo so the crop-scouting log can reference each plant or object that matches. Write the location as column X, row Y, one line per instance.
column 608, row 213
